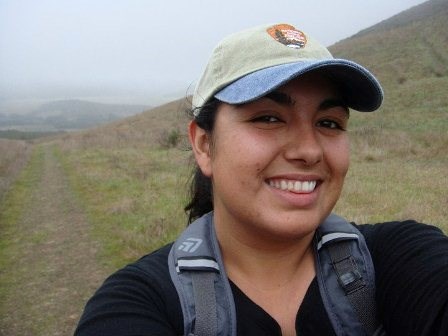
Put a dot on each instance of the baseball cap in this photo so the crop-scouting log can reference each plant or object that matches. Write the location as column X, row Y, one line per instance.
column 249, row 64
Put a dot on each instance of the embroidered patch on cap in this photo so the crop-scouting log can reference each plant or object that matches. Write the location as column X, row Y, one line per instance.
column 288, row 35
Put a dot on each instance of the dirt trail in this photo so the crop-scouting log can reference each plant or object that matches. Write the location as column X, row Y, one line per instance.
column 56, row 269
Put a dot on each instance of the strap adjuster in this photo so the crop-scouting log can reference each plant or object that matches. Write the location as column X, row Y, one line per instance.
column 349, row 276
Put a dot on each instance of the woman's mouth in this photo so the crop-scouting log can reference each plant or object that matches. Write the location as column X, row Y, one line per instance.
column 294, row 186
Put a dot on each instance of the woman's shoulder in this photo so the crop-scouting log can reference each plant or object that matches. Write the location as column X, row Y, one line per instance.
column 154, row 264
column 411, row 266
column 393, row 243
column 149, row 275
column 150, row 269
column 399, row 231
column 135, row 299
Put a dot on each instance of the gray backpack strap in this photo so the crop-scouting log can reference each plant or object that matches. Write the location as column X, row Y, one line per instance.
column 197, row 271
column 358, row 293
column 205, row 299
column 346, row 278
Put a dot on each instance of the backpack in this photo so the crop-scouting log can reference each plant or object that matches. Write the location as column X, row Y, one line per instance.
column 344, row 271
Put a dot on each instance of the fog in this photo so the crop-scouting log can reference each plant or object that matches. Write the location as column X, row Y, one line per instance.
column 144, row 51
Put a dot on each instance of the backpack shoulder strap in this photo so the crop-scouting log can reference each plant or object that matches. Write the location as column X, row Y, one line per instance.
column 198, row 274
column 346, row 277
column 344, row 271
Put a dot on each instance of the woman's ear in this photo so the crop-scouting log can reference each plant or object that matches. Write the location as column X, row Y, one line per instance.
column 200, row 143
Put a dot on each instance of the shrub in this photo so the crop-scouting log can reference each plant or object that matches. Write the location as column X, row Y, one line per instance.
column 170, row 139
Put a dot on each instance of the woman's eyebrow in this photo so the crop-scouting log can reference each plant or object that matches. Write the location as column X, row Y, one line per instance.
column 285, row 99
column 333, row 102
column 280, row 98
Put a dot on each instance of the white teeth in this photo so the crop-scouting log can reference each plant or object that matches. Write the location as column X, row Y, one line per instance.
column 306, row 186
column 294, row 186
column 290, row 185
column 283, row 185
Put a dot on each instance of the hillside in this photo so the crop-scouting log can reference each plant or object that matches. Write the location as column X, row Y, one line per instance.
column 142, row 130
column 91, row 201
column 422, row 12
column 405, row 140
column 409, row 54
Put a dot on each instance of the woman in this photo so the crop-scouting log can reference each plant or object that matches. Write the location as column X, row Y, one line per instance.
column 269, row 137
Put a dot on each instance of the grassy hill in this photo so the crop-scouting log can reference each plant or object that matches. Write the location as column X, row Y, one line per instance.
column 409, row 54
column 402, row 150
column 142, row 130
column 132, row 180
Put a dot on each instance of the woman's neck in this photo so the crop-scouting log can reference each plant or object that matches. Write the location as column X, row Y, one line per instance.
column 273, row 275
column 266, row 262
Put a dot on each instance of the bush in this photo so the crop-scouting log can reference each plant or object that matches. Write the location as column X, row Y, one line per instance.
column 170, row 139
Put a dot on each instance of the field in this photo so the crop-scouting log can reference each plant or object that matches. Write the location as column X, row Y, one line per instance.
column 14, row 155
column 75, row 207
column 120, row 197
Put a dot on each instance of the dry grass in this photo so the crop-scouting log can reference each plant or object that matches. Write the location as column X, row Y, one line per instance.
column 133, row 191
column 141, row 131
column 397, row 175
column 13, row 156
column 133, row 196
column 400, row 154
column 48, row 265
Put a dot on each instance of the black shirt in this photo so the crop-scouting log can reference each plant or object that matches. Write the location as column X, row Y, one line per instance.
column 411, row 269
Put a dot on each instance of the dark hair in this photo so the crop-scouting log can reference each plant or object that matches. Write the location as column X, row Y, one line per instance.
column 201, row 190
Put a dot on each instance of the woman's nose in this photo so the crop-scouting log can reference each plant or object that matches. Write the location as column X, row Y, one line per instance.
column 303, row 146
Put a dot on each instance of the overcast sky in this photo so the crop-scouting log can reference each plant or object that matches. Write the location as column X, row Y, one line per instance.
column 142, row 49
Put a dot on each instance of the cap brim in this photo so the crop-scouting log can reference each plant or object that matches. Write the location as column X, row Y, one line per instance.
column 360, row 89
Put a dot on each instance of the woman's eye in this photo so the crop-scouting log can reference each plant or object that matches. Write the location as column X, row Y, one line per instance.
column 331, row 124
column 266, row 119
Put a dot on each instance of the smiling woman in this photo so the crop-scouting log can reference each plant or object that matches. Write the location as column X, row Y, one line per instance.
column 264, row 255
column 264, row 143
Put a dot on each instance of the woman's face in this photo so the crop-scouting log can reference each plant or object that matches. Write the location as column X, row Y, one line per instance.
column 278, row 164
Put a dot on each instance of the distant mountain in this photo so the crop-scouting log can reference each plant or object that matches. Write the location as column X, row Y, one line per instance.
column 69, row 114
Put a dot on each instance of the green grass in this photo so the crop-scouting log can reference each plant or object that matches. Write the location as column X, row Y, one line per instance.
column 393, row 189
column 20, row 194
column 133, row 198
column 12, row 238
column 133, row 192
column 399, row 170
